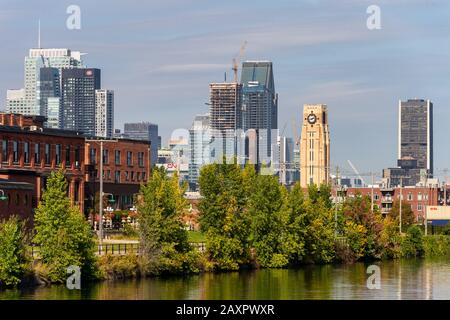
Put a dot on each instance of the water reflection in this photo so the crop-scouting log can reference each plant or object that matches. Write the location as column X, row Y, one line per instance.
column 402, row 279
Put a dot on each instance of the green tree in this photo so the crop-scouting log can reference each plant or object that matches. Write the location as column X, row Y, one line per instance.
column 63, row 235
column 223, row 218
column 412, row 244
column 319, row 239
column 14, row 260
column 408, row 218
column 164, row 240
column 294, row 235
column 266, row 208
column 358, row 210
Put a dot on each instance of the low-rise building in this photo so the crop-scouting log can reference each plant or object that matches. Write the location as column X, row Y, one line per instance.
column 30, row 153
column 126, row 165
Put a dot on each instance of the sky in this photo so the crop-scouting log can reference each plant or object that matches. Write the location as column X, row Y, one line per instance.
column 160, row 56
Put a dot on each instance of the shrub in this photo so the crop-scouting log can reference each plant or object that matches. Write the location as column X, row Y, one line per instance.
column 14, row 260
column 119, row 267
column 436, row 245
column 412, row 243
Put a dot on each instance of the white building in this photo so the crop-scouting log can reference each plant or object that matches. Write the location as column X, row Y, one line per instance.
column 104, row 113
column 29, row 103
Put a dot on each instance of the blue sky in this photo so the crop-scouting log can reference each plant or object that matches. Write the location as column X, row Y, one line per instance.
column 160, row 56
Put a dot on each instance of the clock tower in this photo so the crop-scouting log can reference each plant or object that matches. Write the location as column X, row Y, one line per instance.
column 314, row 146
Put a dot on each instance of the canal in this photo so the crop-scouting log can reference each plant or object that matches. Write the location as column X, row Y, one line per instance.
column 401, row 279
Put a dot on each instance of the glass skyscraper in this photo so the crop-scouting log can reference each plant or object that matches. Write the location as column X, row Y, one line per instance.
column 260, row 104
column 199, row 141
column 415, row 132
column 78, row 99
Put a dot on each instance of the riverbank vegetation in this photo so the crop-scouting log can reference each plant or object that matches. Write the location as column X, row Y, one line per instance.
column 246, row 220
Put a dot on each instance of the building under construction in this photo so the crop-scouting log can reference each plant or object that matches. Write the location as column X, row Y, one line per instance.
column 225, row 117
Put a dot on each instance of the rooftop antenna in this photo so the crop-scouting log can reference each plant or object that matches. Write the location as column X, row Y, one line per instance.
column 39, row 34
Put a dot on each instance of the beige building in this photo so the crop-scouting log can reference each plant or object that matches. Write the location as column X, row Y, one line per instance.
column 315, row 145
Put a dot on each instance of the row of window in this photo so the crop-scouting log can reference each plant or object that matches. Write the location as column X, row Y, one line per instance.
column 35, row 151
column 128, row 176
column 18, row 200
column 117, row 157
column 409, row 196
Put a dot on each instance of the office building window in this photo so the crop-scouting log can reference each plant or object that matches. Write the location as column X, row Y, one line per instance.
column 67, row 156
column 47, row 154
column 117, row 177
column 58, row 154
column 117, row 157
column 129, row 158
column 26, row 152
column 5, row 151
column 92, row 155
column 105, row 156
column 126, row 176
column 15, row 151
column 77, row 156
column 37, row 154
column 141, row 159
column 132, row 175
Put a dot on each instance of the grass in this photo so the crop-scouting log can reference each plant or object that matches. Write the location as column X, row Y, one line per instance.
column 196, row 236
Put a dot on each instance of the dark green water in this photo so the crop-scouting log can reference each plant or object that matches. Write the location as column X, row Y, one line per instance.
column 405, row 279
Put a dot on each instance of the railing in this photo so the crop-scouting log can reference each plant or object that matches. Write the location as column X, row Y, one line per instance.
column 119, row 249
column 342, row 241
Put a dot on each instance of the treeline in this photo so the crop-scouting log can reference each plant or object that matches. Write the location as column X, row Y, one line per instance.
column 249, row 221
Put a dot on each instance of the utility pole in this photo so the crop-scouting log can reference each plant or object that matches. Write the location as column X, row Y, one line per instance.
column 101, row 194
column 338, row 183
column 100, row 205
column 445, row 187
column 371, row 204
column 400, row 206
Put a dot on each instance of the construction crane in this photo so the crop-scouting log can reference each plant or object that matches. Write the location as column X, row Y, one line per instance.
column 237, row 59
column 294, row 130
column 356, row 171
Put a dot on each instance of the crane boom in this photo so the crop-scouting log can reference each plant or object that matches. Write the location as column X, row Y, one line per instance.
column 356, row 171
column 237, row 59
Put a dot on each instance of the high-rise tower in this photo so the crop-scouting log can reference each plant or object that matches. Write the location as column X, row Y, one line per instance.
column 260, row 104
column 315, row 146
column 415, row 132
column 225, row 118
column 78, row 99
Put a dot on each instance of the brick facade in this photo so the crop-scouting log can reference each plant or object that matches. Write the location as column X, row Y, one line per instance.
column 126, row 165
column 29, row 154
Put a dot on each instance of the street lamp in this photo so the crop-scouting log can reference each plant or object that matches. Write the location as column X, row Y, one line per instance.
column 3, row 197
column 100, row 209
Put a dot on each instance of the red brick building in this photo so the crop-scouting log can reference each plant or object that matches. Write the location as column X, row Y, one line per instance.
column 384, row 198
column 126, row 165
column 29, row 153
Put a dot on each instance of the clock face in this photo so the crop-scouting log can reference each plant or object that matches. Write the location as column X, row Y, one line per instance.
column 312, row 118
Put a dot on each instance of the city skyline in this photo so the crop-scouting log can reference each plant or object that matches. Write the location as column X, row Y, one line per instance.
column 322, row 53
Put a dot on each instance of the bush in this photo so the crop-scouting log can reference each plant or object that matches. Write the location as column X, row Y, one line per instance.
column 412, row 244
column 14, row 260
column 119, row 267
column 436, row 245
column 446, row 230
